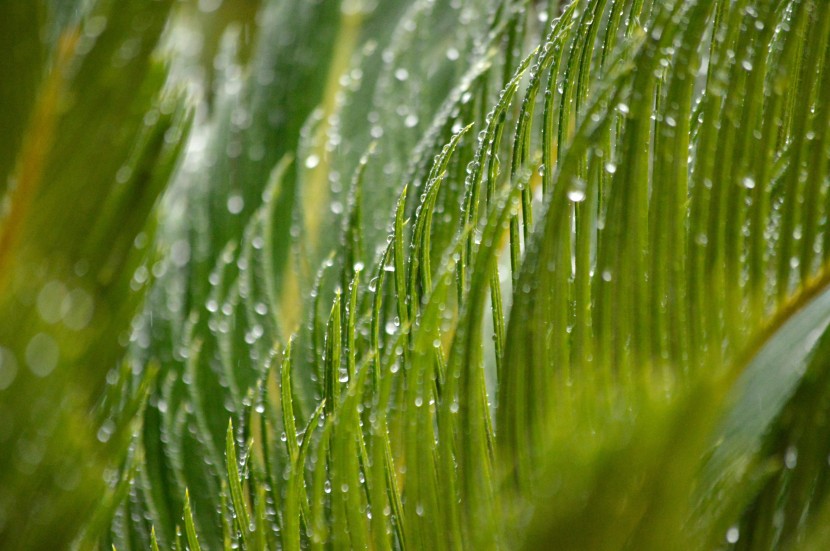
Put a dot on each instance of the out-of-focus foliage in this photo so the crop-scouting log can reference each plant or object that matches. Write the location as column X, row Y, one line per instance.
column 90, row 138
column 479, row 274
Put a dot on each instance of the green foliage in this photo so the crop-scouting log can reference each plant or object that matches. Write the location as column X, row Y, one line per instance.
column 90, row 138
column 429, row 274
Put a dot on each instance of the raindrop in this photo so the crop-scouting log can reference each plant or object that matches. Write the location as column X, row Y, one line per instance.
column 180, row 250
column 312, row 161
column 576, row 195
column 235, row 204
column 452, row 54
column 748, row 182
column 401, row 74
column 77, row 309
column 42, row 354
column 8, row 368
column 610, row 168
column 208, row 6
column 106, row 430
column 791, row 457
column 95, row 26
column 410, row 121
column 733, row 534
column 49, row 301
column 123, row 175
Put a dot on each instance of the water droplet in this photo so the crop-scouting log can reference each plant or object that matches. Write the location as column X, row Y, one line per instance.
column 610, row 168
column 42, row 354
column 106, row 430
column 410, row 121
column 327, row 487
column 312, row 160
column 791, row 457
column 95, row 26
column 235, row 204
column 208, row 6
column 576, row 192
column 401, row 74
column 8, row 368
column 606, row 275
column 576, row 195
column 123, row 175
column 49, row 301
column 77, row 309
column 748, row 182
column 733, row 534
column 180, row 250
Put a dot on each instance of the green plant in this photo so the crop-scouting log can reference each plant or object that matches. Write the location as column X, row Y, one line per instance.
column 461, row 274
